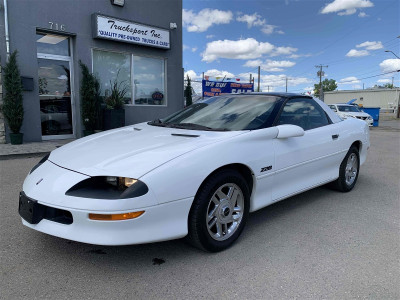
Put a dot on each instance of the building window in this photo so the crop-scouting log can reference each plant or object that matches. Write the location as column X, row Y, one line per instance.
column 110, row 67
column 148, row 76
column 144, row 77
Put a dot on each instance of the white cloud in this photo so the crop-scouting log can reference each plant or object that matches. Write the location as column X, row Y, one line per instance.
column 270, row 65
column 194, row 49
column 363, row 14
column 253, row 63
column 251, row 20
column 207, row 17
column 185, row 47
column 370, row 45
column 270, row 29
column 389, row 65
column 274, row 81
column 192, row 75
column 346, row 7
column 294, row 56
column 384, row 80
column 357, row 53
column 283, row 51
column 210, row 36
column 218, row 73
column 242, row 49
column 349, row 80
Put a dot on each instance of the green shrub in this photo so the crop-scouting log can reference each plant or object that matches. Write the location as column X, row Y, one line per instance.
column 12, row 108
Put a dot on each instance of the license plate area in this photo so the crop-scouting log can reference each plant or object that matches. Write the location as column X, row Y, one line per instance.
column 30, row 210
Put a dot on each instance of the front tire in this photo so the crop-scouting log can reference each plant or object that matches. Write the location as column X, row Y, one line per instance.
column 219, row 211
column 348, row 172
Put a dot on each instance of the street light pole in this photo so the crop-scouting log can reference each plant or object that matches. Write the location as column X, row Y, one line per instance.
column 393, row 53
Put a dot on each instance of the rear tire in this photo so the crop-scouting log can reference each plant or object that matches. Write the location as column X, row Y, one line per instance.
column 219, row 211
column 348, row 172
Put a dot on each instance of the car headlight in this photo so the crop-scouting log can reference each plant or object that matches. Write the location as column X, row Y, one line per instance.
column 40, row 163
column 108, row 187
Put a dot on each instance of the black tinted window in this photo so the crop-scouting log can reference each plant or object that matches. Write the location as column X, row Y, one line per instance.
column 231, row 112
column 303, row 112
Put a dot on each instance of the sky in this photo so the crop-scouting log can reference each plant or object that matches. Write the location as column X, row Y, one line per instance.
column 289, row 38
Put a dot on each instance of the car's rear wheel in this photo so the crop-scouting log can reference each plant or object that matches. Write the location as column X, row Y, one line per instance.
column 219, row 211
column 348, row 172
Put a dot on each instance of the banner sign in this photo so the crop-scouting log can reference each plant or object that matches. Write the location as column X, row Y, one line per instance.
column 110, row 28
column 215, row 88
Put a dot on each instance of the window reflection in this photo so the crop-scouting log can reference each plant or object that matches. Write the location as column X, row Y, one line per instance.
column 52, row 44
column 111, row 66
column 148, row 80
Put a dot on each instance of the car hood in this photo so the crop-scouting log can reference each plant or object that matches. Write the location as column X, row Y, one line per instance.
column 355, row 114
column 132, row 151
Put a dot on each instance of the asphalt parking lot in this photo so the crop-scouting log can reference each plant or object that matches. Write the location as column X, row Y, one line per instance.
column 317, row 245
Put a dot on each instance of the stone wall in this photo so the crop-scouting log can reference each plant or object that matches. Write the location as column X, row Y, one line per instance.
column 2, row 129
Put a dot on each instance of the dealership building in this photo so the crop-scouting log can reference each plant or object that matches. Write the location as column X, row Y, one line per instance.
column 135, row 43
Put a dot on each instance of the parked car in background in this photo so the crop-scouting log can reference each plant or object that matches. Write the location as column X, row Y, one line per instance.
column 197, row 173
column 346, row 111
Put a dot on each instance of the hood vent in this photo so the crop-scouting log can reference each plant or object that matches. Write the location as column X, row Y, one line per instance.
column 185, row 135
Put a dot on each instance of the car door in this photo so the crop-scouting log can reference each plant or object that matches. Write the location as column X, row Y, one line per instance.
column 306, row 161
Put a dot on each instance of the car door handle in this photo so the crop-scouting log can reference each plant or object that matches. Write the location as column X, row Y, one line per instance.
column 335, row 137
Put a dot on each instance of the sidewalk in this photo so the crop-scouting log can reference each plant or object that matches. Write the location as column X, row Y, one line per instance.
column 8, row 151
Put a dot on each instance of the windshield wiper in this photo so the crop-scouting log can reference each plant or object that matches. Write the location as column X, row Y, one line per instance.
column 157, row 122
column 194, row 126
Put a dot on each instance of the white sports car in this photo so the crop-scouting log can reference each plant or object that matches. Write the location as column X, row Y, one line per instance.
column 197, row 173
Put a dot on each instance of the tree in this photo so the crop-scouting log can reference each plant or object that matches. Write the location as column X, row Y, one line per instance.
column 388, row 86
column 12, row 108
column 188, row 92
column 327, row 86
column 89, row 101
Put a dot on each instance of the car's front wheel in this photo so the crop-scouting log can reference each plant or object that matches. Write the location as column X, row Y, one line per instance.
column 219, row 211
column 348, row 171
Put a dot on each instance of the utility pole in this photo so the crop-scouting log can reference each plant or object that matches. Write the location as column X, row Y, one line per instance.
column 392, row 82
column 286, row 84
column 259, row 71
column 320, row 74
column 268, row 89
column 250, row 78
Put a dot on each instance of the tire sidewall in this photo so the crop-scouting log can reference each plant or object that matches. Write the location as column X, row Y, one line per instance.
column 204, row 197
column 342, row 176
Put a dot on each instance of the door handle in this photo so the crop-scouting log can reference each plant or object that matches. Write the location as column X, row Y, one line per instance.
column 335, row 137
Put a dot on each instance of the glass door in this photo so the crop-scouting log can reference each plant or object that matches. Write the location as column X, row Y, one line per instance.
column 55, row 93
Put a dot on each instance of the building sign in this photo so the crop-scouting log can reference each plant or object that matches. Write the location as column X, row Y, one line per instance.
column 215, row 88
column 105, row 27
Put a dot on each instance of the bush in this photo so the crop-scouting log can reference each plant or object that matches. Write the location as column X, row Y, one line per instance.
column 12, row 108
column 90, row 90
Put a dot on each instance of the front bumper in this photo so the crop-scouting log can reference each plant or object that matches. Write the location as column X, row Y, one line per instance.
column 158, row 223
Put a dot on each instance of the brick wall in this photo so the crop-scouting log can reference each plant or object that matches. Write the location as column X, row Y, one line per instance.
column 2, row 129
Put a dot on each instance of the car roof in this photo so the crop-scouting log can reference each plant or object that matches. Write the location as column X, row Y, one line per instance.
column 278, row 94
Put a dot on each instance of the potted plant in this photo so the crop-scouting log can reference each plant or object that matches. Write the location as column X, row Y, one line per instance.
column 89, row 92
column 12, row 108
column 114, row 113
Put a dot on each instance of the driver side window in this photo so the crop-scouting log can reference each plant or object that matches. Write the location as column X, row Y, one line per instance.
column 303, row 112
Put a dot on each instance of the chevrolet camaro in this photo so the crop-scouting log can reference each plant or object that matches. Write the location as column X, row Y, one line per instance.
column 195, row 174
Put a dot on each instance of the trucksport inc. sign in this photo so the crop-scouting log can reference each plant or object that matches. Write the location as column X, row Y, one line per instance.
column 215, row 88
column 110, row 28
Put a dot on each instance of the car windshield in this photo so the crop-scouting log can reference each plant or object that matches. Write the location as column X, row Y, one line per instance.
column 230, row 112
column 348, row 108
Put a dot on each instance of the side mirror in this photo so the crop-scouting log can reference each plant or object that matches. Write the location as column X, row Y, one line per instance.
column 288, row 131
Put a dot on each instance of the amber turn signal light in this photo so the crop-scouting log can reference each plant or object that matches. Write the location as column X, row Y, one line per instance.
column 116, row 217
